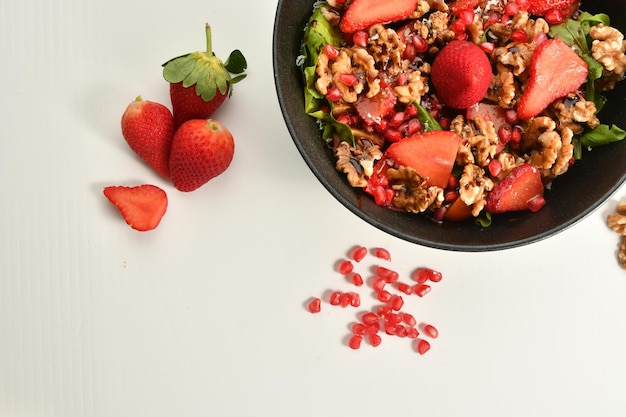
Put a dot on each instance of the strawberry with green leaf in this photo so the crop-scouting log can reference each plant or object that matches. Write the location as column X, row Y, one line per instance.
column 200, row 81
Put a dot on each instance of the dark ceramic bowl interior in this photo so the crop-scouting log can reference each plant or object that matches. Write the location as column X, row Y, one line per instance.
column 588, row 184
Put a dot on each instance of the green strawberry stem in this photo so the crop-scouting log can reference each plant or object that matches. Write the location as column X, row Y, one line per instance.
column 209, row 40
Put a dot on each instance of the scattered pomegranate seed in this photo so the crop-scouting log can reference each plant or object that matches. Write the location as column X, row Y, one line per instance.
column 359, row 253
column 519, row 36
column 355, row 299
column 360, row 38
column 405, row 288
column 466, row 16
column 396, row 119
column 369, row 318
column 431, row 331
column 331, row 51
column 401, row 331
column 488, row 47
column 396, row 302
column 390, row 329
column 384, row 312
column 355, row 341
column 392, row 135
column 345, row 267
column 394, row 318
column 383, row 296
column 315, row 305
column 511, row 8
column 409, row 319
column 458, row 27
column 349, row 79
column 373, row 328
column 495, row 168
column 359, row 328
column 411, row 110
column 402, row 79
column 409, row 53
column 345, row 299
column 334, row 298
column 504, row 134
column 357, row 279
column 379, row 284
column 510, row 115
column 412, row 333
column 423, row 346
column 421, row 289
column 540, row 37
column 382, row 253
column 419, row 44
column 388, row 275
column 334, row 94
column 374, row 339
column 536, row 203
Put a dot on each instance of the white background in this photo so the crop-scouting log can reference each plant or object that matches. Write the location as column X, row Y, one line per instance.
column 205, row 315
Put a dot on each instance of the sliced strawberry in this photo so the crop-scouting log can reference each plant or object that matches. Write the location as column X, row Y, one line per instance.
column 362, row 14
column 516, row 191
column 431, row 154
column 373, row 110
column 458, row 5
column 489, row 112
column 142, row 206
column 554, row 11
column 555, row 71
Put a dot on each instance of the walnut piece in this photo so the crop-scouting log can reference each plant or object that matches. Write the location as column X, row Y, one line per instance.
column 474, row 187
column 608, row 48
column 386, row 48
column 414, row 89
column 357, row 164
column 503, row 88
column 617, row 222
column 412, row 193
column 480, row 140
column 573, row 111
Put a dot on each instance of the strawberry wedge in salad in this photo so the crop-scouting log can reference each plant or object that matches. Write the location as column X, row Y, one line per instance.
column 459, row 109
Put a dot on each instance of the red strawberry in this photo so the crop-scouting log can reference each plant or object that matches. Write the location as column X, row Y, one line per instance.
column 200, row 81
column 458, row 5
column 431, row 154
column 554, row 11
column 148, row 128
column 362, row 14
column 461, row 74
column 555, row 71
column 373, row 110
column 517, row 191
column 142, row 206
column 201, row 150
column 489, row 112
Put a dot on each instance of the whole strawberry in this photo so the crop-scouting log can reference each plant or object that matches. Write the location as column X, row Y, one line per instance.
column 200, row 81
column 201, row 150
column 148, row 128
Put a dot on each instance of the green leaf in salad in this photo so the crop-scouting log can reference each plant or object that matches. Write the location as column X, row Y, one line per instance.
column 426, row 119
column 598, row 136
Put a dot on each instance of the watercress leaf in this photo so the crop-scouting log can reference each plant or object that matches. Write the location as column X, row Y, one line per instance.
column 426, row 119
column 602, row 135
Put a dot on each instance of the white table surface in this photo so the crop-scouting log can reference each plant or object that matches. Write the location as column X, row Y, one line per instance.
column 205, row 315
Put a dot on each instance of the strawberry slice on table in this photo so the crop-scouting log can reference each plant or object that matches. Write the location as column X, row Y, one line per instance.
column 519, row 190
column 362, row 14
column 142, row 206
column 148, row 128
column 373, row 110
column 555, row 71
column 554, row 11
column 431, row 154
column 200, row 82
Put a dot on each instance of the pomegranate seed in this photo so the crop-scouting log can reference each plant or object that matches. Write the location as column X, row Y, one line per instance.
column 519, row 36
column 554, row 17
column 495, row 168
column 381, row 126
column 411, row 110
column 380, row 195
column 540, row 37
column 345, row 299
column 393, row 318
column 357, row 279
column 345, row 267
column 516, row 134
column 355, row 341
column 355, row 300
column 374, row 339
column 331, row 51
column 412, row 333
column 409, row 319
column 396, row 119
column 403, row 79
column 373, row 328
column 451, row 195
column 369, row 318
column 409, row 52
column 359, row 329
column 510, row 116
column 488, row 47
column 421, row 289
column 440, row 214
column 383, row 296
column 315, row 305
column 431, row 331
column 423, row 346
column 536, row 203
column 382, row 253
column 511, row 8
column 458, row 27
column 360, row 38
column 401, row 331
column 334, row 298
column 334, row 94
column 384, row 312
column 419, row 44
column 359, row 253
column 504, row 134
column 467, row 17
column 453, row 182
column 405, row 288
column 348, row 79
column 392, row 135
column 379, row 284
column 345, row 119
column 396, row 302
column 390, row 329
column 414, row 126
column 387, row 274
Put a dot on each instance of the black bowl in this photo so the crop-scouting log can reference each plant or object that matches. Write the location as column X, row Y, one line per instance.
column 588, row 184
